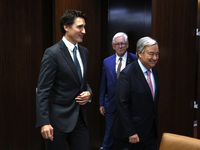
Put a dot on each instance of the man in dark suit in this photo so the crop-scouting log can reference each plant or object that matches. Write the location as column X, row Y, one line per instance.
column 63, row 90
column 135, row 125
column 108, row 82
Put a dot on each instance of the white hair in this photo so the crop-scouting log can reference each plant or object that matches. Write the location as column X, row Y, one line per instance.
column 120, row 34
column 143, row 42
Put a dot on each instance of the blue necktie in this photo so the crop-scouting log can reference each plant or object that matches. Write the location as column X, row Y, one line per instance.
column 78, row 68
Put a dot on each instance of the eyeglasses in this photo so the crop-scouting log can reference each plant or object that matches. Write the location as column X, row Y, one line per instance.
column 120, row 44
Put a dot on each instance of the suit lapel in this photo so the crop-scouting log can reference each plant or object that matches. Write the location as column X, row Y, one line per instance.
column 83, row 57
column 156, row 82
column 142, row 78
column 129, row 59
column 68, row 59
column 113, row 63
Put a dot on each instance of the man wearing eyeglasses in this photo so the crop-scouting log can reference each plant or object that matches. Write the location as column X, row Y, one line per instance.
column 112, row 66
column 135, row 126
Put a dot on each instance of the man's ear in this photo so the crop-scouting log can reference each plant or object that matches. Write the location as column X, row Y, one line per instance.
column 66, row 28
column 139, row 53
column 113, row 45
column 127, row 45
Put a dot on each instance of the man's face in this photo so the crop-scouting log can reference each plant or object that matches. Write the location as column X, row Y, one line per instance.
column 150, row 56
column 76, row 32
column 120, row 46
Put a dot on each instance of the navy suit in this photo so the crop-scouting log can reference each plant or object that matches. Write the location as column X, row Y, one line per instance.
column 58, row 85
column 107, row 93
column 137, row 112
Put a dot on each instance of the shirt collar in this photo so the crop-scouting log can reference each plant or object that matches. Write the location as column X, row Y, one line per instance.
column 144, row 69
column 69, row 45
column 123, row 57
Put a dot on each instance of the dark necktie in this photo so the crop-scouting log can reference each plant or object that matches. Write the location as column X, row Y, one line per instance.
column 78, row 68
column 119, row 67
column 149, row 82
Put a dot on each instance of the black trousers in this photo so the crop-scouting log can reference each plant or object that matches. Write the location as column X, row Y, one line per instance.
column 78, row 139
column 150, row 144
column 125, row 145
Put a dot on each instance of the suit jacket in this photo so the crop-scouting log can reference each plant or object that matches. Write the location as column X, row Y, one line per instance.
column 108, row 82
column 137, row 112
column 58, row 85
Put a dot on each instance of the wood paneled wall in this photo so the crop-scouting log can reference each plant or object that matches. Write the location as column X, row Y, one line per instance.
column 198, row 88
column 131, row 17
column 173, row 26
column 198, row 71
column 20, row 48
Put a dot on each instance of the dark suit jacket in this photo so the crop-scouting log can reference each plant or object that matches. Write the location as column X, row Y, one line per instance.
column 58, row 85
column 136, row 110
column 109, row 80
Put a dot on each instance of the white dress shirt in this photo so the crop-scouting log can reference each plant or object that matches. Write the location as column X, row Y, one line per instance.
column 144, row 70
column 70, row 47
column 124, row 58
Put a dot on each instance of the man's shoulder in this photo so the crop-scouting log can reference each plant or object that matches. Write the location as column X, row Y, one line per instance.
column 82, row 47
column 52, row 49
column 131, row 67
column 110, row 58
column 131, row 55
column 56, row 46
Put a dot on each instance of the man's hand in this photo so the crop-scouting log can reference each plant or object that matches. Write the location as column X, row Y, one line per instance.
column 47, row 132
column 134, row 138
column 102, row 110
column 83, row 98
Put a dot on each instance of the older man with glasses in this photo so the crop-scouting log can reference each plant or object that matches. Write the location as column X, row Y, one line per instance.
column 112, row 66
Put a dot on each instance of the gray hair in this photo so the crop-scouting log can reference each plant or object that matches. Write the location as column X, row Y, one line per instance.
column 143, row 42
column 120, row 34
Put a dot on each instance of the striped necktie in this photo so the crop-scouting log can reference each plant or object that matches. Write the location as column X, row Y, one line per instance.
column 119, row 67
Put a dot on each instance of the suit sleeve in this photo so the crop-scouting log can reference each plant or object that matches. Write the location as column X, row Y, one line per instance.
column 88, row 88
column 123, row 98
column 45, row 83
column 103, row 86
